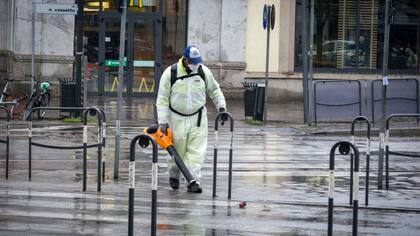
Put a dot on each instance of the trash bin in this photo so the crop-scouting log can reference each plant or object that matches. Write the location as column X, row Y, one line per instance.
column 68, row 93
column 249, row 98
column 259, row 102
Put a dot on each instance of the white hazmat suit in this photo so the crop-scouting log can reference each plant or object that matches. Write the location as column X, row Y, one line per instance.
column 187, row 96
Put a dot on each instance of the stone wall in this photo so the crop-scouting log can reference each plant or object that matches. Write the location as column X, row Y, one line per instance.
column 54, row 40
column 5, row 36
column 218, row 29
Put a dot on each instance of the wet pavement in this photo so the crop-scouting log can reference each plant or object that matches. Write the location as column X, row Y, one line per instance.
column 281, row 170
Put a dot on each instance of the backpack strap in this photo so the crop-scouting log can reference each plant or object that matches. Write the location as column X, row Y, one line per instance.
column 174, row 73
column 200, row 72
column 174, row 78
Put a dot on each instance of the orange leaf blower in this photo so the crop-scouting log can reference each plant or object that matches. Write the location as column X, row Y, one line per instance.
column 165, row 141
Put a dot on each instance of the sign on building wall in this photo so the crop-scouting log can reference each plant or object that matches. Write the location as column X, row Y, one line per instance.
column 62, row 9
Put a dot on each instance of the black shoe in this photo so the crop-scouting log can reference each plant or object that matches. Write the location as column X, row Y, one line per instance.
column 174, row 183
column 194, row 188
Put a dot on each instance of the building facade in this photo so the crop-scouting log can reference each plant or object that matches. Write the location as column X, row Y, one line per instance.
column 54, row 43
column 347, row 42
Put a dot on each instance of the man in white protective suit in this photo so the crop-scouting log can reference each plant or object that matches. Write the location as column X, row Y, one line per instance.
column 180, row 105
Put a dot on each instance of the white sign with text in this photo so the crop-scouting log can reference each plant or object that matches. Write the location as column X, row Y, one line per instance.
column 62, row 9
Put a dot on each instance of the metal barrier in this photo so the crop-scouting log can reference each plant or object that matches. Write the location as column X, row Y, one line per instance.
column 317, row 103
column 344, row 149
column 365, row 120
column 143, row 141
column 103, row 140
column 93, row 111
column 386, row 142
column 416, row 99
column 7, row 141
column 216, row 137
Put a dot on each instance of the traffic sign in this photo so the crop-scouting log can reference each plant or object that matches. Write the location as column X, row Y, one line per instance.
column 272, row 16
column 62, row 9
column 265, row 16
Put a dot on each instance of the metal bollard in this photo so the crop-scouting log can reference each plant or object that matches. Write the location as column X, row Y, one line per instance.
column 92, row 111
column 30, row 146
column 385, row 144
column 216, row 134
column 344, row 149
column 366, row 120
column 143, row 141
column 103, row 141
column 7, row 142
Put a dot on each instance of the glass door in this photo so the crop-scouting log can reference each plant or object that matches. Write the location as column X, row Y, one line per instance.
column 109, row 51
column 144, row 56
column 142, row 67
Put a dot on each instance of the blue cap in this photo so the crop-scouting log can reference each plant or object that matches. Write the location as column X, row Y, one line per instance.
column 192, row 54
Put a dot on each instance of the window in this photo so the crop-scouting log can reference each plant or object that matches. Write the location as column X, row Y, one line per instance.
column 173, row 32
column 110, row 5
column 343, row 43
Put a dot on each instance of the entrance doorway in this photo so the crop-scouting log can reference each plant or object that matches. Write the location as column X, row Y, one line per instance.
column 142, row 62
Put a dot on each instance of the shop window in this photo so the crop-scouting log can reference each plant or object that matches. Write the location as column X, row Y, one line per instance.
column 342, row 43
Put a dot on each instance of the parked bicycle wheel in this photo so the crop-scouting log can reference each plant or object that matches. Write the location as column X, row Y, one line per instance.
column 21, row 99
column 44, row 102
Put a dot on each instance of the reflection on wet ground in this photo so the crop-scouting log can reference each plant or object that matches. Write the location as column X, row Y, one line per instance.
column 280, row 171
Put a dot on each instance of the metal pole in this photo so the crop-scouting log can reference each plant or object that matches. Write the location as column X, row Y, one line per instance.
column 120, row 88
column 355, row 191
column 7, row 145
column 383, row 99
column 99, row 178
column 131, row 186
column 84, row 154
column 305, row 63
column 216, row 139
column 30, row 148
column 33, row 48
column 79, row 53
column 267, row 57
column 154, row 189
column 84, row 78
column 230, row 160
column 311, row 60
column 331, row 186
column 357, row 39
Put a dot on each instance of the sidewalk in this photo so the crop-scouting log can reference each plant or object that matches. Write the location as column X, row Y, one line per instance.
column 143, row 108
column 140, row 112
column 280, row 114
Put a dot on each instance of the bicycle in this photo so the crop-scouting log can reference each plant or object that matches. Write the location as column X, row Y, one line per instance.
column 40, row 97
column 14, row 101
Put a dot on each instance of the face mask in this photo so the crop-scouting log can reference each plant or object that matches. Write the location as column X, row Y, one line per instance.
column 193, row 67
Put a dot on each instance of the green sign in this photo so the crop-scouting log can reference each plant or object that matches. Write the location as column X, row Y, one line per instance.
column 114, row 63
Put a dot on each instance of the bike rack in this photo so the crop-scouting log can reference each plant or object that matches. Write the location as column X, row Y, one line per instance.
column 92, row 111
column 368, row 135
column 7, row 141
column 344, row 149
column 316, row 103
column 387, row 151
column 143, row 141
column 216, row 137
column 373, row 100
